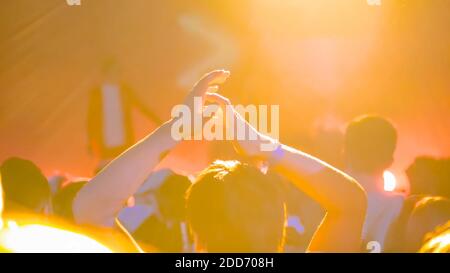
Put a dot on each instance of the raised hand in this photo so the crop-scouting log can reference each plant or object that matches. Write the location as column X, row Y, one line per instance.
column 208, row 83
column 251, row 147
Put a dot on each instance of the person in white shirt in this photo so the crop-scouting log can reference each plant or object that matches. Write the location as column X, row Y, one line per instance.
column 370, row 143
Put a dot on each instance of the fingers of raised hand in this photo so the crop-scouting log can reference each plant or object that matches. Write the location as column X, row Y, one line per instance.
column 212, row 78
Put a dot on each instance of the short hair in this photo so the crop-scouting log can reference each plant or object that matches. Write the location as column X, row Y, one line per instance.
column 171, row 197
column 63, row 199
column 233, row 207
column 156, row 232
column 370, row 143
column 423, row 175
column 24, row 184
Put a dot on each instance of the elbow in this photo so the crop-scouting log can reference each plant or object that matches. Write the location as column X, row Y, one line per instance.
column 90, row 210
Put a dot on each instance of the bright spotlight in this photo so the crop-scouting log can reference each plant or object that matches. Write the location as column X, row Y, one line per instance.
column 390, row 182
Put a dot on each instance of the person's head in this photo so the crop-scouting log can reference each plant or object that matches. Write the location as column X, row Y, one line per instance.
column 233, row 207
column 423, row 175
column 428, row 213
column 63, row 199
column 370, row 143
column 170, row 197
column 24, row 186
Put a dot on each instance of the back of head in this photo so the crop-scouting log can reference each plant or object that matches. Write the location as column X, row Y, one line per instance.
column 423, row 176
column 428, row 213
column 171, row 197
column 370, row 143
column 63, row 199
column 24, row 185
column 233, row 207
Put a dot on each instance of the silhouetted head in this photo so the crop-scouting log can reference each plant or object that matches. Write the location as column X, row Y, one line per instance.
column 233, row 207
column 170, row 197
column 370, row 143
column 24, row 185
column 63, row 199
column 429, row 175
column 423, row 175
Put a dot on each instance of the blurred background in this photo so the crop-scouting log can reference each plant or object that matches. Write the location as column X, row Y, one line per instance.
column 323, row 61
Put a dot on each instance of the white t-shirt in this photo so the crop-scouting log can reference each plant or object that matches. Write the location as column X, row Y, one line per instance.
column 383, row 208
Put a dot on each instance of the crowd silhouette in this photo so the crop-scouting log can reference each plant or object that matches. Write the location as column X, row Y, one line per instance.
column 240, row 205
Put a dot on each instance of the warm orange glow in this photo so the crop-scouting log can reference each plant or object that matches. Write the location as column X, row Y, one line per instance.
column 439, row 244
column 46, row 239
column 313, row 58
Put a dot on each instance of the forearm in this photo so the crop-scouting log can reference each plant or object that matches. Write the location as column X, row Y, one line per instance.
column 341, row 196
column 333, row 189
column 103, row 197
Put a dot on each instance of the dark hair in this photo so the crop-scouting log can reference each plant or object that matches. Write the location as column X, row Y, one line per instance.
column 429, row 175
column 422, row 175
column 171, row 197
column 233, row 207
column 24, row 184
column 165, row 234
column 63, row 199
column 370, row 143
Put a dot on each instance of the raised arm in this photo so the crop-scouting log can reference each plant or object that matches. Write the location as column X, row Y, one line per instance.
column 104, row 196
column 342, row 197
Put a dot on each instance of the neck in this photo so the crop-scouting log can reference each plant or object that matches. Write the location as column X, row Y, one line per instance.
column 370, row 182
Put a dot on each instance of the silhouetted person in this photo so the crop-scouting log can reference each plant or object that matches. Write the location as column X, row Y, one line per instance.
column 370, row 143
column 232, row 206
column 110, row 127
column 429, row 176
column 25, row 187
column 167, row 229
column 63, row 199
